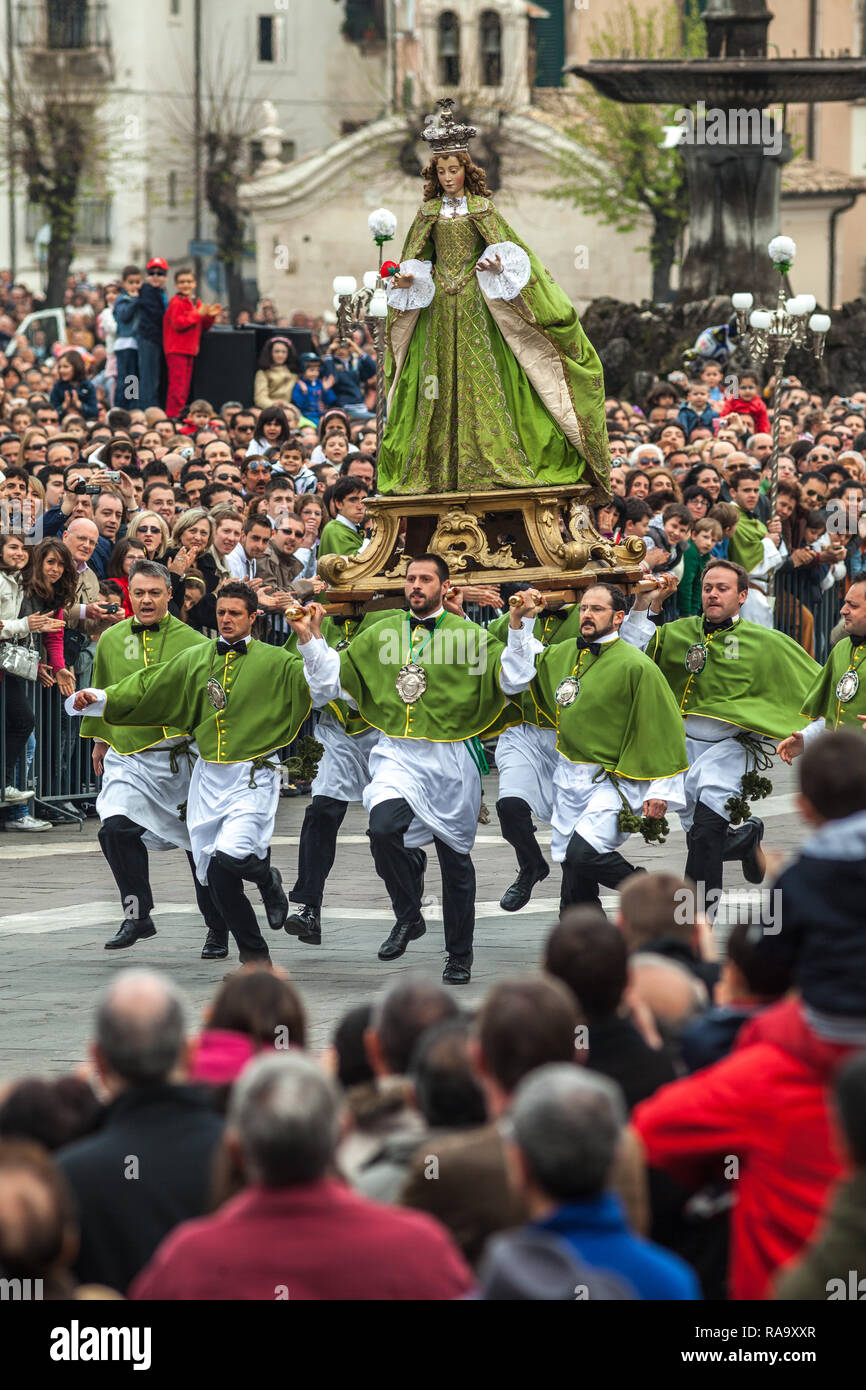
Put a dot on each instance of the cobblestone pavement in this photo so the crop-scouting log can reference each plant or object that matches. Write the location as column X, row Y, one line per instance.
column 58, row 905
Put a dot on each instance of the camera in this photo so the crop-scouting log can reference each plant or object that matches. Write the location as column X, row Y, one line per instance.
column 111, row 476
column 112, row 608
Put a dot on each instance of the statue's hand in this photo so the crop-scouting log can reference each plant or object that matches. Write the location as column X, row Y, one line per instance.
column 492, row 263
column 402, row 281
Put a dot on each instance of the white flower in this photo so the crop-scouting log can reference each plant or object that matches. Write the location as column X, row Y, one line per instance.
column 382, row 223
column 782, row 249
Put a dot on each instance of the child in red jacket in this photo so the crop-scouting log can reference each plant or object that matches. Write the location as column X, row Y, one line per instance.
column 186, row 318
column 749, row 403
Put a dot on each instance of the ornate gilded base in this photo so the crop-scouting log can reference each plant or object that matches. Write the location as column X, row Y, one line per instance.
column 544, row 536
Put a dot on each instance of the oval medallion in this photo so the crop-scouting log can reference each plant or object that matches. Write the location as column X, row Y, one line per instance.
column 847, row 687
column 411, row 682
column 567, row 691
column 341, row 645
column 216, row 694
column 696, row 658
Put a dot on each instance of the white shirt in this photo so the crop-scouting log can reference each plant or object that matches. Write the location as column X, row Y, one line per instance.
column 239, row 563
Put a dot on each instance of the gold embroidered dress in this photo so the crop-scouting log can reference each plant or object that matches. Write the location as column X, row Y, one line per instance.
column 492, row 381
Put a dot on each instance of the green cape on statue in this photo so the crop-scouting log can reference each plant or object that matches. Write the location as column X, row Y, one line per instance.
column 119, row 653
column 624, row 717
column 754, row 679
column 822, row 700
column 487, row 393
column 463, row 696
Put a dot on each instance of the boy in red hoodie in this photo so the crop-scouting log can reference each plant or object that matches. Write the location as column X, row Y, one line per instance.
column 186, row 318
column 749, row 402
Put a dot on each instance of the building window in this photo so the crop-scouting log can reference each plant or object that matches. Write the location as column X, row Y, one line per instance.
column 172, row 189
column 174, row 7
column 449, row 49
column 92, row 221
column 491, row 49
column 271, row 38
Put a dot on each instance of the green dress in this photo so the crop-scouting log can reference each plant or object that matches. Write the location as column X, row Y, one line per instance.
column 488, row 393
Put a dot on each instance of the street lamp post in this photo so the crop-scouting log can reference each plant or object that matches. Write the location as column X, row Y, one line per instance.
column 772, row 333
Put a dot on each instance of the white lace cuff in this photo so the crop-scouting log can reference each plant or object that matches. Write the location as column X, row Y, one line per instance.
column 515, row 271
column 420, row 293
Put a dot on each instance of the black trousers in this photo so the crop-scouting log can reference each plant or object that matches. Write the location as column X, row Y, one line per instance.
column 515, row 823
column 585, row 867
column 318, row 848
column 402, row 871
column 19, row 721
column 122, row 843
column 706, row 848
column 225, row 878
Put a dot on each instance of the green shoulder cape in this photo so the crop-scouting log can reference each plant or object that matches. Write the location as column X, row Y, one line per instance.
column 754, row 678
column 624, row 717
column 119, row 653
column 267, row 700
column 745, row 546
column 338, row 539
column 557, row 627
column 463, row 696
column 821, row 700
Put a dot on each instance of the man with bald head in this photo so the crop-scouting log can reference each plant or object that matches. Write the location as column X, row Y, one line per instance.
column 147, row 1167
column 88, row 612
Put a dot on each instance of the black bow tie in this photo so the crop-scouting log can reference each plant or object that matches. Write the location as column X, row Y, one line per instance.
column 144, row 627
column 551, row 613
column 857, row 641
column 429, row 624
column 239, row 648
column 711, row 627
column 584, row 646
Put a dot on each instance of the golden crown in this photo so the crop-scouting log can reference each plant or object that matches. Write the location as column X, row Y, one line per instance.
column 443, row 134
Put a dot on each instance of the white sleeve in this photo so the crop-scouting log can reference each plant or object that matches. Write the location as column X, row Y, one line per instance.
column 669, row 789
column 322, row 670
column 96, row 709
column 420, row 293
column 514, row 275
column 812, row 730
column 771, row 561
column 518, row 659
column 637, row 629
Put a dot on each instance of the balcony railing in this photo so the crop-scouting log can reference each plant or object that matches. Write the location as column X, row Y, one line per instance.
column 62, row 26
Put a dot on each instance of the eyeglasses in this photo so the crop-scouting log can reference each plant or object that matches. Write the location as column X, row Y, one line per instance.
column 163, row 273
column 148, row 531
column 258, row 468
column 296, row 535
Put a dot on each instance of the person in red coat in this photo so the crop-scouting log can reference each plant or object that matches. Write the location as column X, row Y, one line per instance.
column 297, row 1231
column 760, row 1119
column 748, row 402
column 186, row 318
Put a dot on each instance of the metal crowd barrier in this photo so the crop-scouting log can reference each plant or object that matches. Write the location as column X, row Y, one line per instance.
column 806, row 613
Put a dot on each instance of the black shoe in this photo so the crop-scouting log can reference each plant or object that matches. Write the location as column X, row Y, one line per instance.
column 518, row 895
column 399, row 939
column 216, row 946
column 458, row 969
column 275, row 901
column 744, row 842
column 306, row 925
column 129, row 933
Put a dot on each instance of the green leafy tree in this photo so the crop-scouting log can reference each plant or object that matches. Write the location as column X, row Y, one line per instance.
column 619, row 170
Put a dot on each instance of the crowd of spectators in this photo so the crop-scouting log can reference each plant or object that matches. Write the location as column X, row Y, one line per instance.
column 638, row 1119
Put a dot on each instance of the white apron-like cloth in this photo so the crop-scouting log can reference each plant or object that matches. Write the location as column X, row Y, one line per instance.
column 526, row 760
column 591, row 809
column 344, row 767
column 758, row 608
column 439, row 781
column 142, row 787
column 716, row 765
column 225, row 813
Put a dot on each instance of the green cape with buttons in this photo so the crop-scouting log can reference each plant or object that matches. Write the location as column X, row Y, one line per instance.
column 267, row 700
column 463, row 696
column 120, row 652
column 754, row 679
column 624, row 717
column 822, row 699
column 746, row 546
